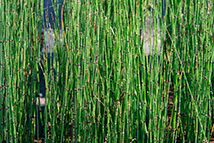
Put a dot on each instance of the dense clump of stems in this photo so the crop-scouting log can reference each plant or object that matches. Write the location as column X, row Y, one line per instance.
column 101, row 86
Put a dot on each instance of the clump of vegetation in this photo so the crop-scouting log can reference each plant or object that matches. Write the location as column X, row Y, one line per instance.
column 100, row 86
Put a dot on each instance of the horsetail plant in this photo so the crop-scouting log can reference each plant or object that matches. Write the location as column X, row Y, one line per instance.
column 108, row 71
